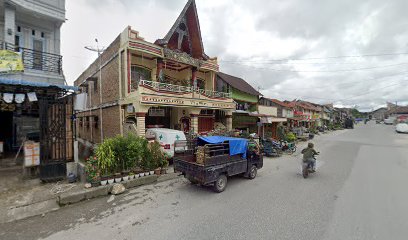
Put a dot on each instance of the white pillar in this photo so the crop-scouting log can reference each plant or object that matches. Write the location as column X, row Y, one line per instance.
column 141, row 123
column 9, row 23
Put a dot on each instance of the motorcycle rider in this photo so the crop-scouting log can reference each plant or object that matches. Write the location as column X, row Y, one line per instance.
column 308, row 155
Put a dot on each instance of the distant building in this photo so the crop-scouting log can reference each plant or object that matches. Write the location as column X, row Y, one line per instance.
column 245, row 115
column 379, row 114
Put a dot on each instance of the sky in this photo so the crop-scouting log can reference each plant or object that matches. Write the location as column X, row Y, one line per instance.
column 351, row 53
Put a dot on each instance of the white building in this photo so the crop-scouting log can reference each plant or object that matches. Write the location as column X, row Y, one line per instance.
column 32, row 27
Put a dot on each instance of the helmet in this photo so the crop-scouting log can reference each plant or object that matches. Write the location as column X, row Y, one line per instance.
column 310, row 145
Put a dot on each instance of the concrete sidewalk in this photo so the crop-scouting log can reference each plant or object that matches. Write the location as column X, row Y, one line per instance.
column 36, row 198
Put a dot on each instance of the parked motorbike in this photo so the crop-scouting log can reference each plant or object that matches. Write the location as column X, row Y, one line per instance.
column 308, row 167
column 285, row 146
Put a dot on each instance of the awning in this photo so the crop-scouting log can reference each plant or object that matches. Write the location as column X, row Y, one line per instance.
column 36, row 84
column 272, row 119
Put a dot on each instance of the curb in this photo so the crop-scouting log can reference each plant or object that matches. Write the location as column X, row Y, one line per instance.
column 85, row 194
column 53, row 204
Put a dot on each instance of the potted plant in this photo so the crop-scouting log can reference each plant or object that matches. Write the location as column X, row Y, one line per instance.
column 106, row 159
column 157, row 157
column 157, row 171
column 118, row 177
column 165, row 165
column 131, row 175
column 92, row 172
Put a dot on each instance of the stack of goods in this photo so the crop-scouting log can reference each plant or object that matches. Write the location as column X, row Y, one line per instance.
column 200, row 155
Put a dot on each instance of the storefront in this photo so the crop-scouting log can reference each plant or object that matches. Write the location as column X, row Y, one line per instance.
column 36, row 132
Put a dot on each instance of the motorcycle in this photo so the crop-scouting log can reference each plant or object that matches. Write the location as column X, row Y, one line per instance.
column 308, row 167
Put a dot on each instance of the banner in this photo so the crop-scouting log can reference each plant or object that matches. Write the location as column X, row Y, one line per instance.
column 10, row 61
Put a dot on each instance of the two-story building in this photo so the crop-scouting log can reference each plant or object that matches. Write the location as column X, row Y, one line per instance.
column 245, row 115
column 284, row 116
column 169, row 83
column 32, row 86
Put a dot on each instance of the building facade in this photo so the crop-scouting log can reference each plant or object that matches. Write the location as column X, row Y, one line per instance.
column 33, row 96
column 33, row 29
column 169, row 83
column 245, row 115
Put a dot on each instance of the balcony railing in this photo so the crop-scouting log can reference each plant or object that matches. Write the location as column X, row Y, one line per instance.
column 158, row 86
column 36, row 60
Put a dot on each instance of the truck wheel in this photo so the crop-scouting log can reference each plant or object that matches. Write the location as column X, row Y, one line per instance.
column 220, row 184
column 252, row 172
column 193, row 181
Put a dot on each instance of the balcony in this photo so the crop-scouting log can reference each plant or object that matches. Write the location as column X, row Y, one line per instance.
column 151, row 92
column 36, row 60
column 171, row 88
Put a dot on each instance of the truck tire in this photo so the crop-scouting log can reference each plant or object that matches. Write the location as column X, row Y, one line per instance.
column 220, row 184
column 193, row 181
column 252, row 172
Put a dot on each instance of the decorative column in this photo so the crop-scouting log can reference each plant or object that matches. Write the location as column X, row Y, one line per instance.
column 141, row 123
column 194, row 77
column 159, row 72
column 194, row 123
column 229, row 122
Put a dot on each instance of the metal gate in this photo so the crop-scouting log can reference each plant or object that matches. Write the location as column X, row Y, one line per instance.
column 53, row 140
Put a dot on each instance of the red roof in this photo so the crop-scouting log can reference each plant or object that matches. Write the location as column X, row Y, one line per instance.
column 280, row 103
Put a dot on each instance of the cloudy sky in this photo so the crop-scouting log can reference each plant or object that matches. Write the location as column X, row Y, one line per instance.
column 348, row 52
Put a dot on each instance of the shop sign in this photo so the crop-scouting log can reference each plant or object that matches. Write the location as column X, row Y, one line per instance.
column 156, row 112
column 10, row 61
column 298, row 113
column 185, row 102
column 315, row 116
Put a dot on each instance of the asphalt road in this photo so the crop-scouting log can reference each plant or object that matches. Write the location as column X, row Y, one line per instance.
column 359, row 192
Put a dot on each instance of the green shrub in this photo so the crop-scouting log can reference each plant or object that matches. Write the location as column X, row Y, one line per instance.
column 291, row 137
column 106, row 157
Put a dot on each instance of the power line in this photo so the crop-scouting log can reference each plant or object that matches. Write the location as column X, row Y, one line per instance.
column 324, row 71
column 332, row 57
column 345, row 84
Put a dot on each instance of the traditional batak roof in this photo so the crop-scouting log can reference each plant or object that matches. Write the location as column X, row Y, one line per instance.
column 238, row 83
column 185, row 34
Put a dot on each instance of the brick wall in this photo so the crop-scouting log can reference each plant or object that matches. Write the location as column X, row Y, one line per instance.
column 91, row 132
column 110, row 75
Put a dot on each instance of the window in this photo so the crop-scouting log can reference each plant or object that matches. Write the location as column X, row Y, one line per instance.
column 95, row 87
column 42, row 34
column 200, row 84
column 18, row 29
column 96, row 122
column 33, row 32
column 138, row 73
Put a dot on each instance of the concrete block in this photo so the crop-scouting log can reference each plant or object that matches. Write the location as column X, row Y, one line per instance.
column 97, row 192
column 168, row 176
column 71, row 197
column 30, row 210
column 140, row 181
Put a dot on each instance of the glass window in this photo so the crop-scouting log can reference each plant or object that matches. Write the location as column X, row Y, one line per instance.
column 139, row 73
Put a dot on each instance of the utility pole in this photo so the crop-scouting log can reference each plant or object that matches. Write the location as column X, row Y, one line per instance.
column 99, row 50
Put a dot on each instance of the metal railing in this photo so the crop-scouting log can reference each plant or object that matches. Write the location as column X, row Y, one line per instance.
column 158, row 86
column 36, row 60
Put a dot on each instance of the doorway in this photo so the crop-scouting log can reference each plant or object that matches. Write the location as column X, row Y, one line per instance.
column 38, row 54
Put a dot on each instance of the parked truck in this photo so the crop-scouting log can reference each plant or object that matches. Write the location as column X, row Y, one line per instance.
column 210, row 160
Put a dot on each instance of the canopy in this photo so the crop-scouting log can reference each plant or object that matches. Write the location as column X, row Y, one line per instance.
column 237, row 145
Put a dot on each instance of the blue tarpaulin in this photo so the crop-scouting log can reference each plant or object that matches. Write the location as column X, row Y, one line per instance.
column 237, row 145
